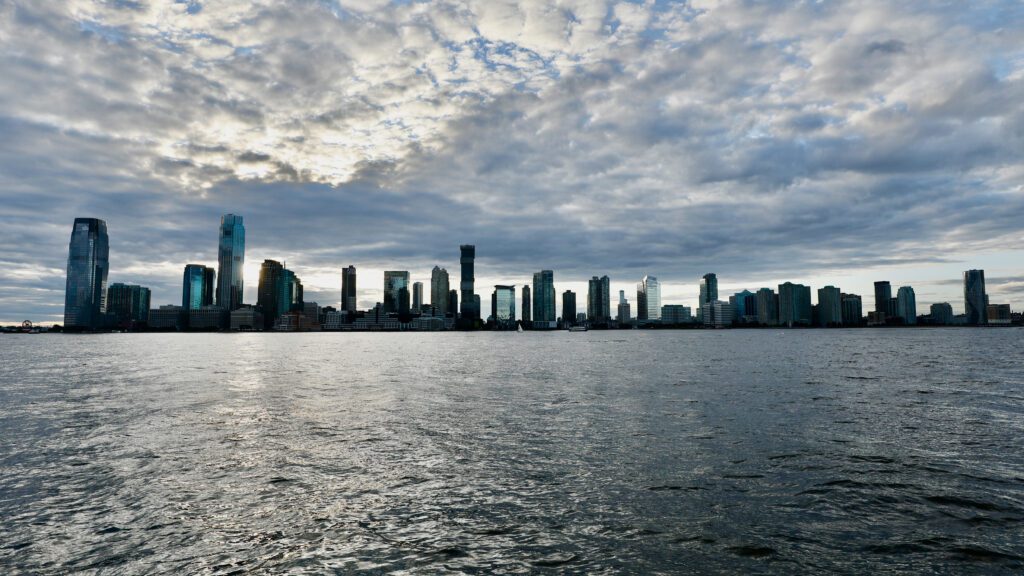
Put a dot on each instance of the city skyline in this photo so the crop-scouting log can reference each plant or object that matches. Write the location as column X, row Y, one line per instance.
column 821, row 143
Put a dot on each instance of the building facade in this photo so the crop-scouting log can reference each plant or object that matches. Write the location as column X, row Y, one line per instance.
column 349, row 293
column 648, row 299
column 906, row 306
column 527, row 305
column 230, row 262
column 676, row 314
column 467, row 258
column 197, row 288
column 88, row 265
column 568, row 308
column 975, row 298
column 503, row 306
column 853, row 310
column 417, row 297
column 599, row 300
column 708, row 289
column 830, row 306
column 128, row 305
column 941, row 313
column 544, row 313
column 439, row 290
column 767, row 307
column 794, row 304
column 395, row 282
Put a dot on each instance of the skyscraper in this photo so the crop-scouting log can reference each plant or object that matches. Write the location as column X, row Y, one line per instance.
column 906, row 305
column 527, row 305
column 883, row 296
column 503, row 307
column 767, row 307
column 128, row 304
column 439, row 290
column 624, row 314
column 88, row 264
column 230, row 261
column 268, row 293
column 941, row 313
column 394, row 282
column 453, row 303
column 975, row 299
column 648, row 299
column 568, row 307
column 466, row 259
column 830, row 306
column 544, row 315
column 599, row 308
column 708, row 288
column 349, row 296
column 417, row 297
column 853, row 310
column 197, row 287
column 794, row 304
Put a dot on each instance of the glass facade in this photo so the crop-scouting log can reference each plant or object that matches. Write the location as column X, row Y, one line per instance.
column 439, row 290
column 128, row 304
column 648, row 299
column 830, row 306
column 767, row 307
column 544, row 297
column 975, row 299
column 568, row 307
column 197, row 287
column 883, row 296
column 394, row 282
column 599, row 308
column 906, row 305
column 504, row 309
column 470, row 310
column 794, row 304
column 88, row 265
column 349, row 299
column 230, row 262
column 708, row 288
column 527, row 304
column 267, row 295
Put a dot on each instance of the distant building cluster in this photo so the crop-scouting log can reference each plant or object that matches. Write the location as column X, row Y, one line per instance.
column 213, row 299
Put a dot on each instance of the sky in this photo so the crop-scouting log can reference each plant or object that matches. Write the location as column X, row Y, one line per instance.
column 766, row 141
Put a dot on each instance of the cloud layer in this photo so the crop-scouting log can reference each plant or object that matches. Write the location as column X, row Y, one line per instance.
column 761, row 140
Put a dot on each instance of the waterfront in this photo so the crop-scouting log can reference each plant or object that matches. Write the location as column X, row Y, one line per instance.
column 756, row 451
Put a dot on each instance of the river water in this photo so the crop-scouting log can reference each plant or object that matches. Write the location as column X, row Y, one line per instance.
column 676, row 452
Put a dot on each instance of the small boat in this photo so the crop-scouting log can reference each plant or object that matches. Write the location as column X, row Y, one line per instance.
column 577, row 329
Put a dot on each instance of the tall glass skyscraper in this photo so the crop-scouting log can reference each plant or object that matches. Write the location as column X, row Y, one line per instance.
column 568, row 307
column 794, row 304
column 467, row 258
column 504, row 306
column 830, row 306
column 88, row 264
column 527, row 304
column 417, row 296
column 648, row 299
column 906, row 305
column 128, row 304
column 599, row 306
column 708, row 288
column 394, row 282
column 975, row 299
column 268, row 295
column 544, row 314
column 883, row 297
column 767, row 307
column 230, row 261
column 349, row 299
column 439, row 290
column 197, row 287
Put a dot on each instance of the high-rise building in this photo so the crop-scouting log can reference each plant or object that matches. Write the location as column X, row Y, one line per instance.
column 676, row 314
column 527, row 305
column 906, row 305
column 453, row 303
column 417, row 297
column 439, row 290
column 744, row 306
column 503, row 306
column 466, row 259
column 197, row 287
column 290, row 293
column 941, row 313
column 717, row 314
column 767, row 307
column 394, row 282
column 544, row 314
column 403, row 301
column 975, row 299
column 830, row 306
column 623, row 316
column 794, row 304
column 999, row 314
column 88, row 265
column 648, row 299
column 568, row 307
column 883, row 296
column 853, row 309
column 128, row 304
column 349, row 296
column 599, row 310
column 230, row 262
column 708, row 288
column 268, row 293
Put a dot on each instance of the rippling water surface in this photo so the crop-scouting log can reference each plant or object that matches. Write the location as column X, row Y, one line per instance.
column 601, row 452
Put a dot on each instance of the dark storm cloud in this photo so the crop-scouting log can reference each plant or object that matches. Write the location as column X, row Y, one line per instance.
column 754, row 139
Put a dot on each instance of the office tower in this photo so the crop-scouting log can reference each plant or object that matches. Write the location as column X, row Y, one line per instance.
column 744, row 305
column 394, row 282
column 527, row 304
column 197, row 287
column 853, row 309
column 268, row 293
column 128, row 304
column 941, row 313
column 544, row 314
column 468, row 255
column 717, row 314
column 676, row 314
column 599, row 300
column 568, row 307
column 830, row 306
column 767, row 307
column 999, row 314
column 88, row 265
column 439, row 290
column 349, row 296
column 708, row 288
column 883, row 306
column 794, row 304
column 648, row 299
column 623, row 314
column 230, row 261
column 417, row 297
column 453, row 303
column 503, row 308
column 290, row 293
column 906, row 305
column 975, row 299
column 403, row 301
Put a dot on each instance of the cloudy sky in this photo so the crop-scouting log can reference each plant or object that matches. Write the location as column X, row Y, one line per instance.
column 823, row 142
